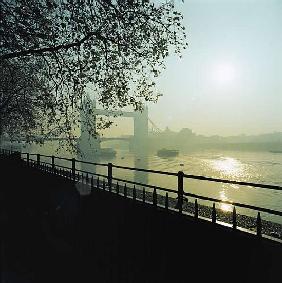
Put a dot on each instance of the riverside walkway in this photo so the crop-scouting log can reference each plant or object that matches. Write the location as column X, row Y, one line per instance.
column 115, row 233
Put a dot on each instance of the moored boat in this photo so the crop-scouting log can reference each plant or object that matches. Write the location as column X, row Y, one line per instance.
column 167, row 152
column 107, row 151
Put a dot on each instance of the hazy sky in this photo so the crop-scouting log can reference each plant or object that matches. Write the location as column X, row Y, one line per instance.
column 229, row 79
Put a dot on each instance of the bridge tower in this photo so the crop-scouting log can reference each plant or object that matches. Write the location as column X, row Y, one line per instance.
column 87, row 143
column 140, row 139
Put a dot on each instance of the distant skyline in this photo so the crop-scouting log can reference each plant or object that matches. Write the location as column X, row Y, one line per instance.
column 229, row 79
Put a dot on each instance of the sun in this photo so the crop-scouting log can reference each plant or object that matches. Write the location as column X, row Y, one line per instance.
column 224, row 73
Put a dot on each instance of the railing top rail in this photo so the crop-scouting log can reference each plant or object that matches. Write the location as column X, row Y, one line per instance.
column 189, row 176
column 61, row 158
column 196, row 177
column 48, row 156
column 67, row 159
column 242, row 183
column 262, row 209
column 203, row 178
column 30, row 154
column 43, row 155
column 92, row 163
column 146, row 170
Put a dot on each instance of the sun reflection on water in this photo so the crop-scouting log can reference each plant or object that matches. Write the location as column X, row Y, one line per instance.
column 224, row 206
column 232, row 169
column 228, row 166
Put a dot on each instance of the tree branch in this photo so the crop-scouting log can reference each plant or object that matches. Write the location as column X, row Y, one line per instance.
column 51, row 49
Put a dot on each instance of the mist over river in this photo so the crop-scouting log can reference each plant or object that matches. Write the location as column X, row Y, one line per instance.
column 250, row 166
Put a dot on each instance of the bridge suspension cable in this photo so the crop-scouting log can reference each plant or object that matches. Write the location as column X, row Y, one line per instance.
column 154, row 128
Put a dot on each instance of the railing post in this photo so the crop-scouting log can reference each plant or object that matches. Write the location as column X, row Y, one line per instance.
column 259, row 226
column 117, row 188
column 234, row 218
column 196, row 213
column 213, row 213
column 180, row 191
column 110, row 175
column 38, row 159
column 73, row 168
column 92, row 183
column 134, row 193
column 155, row 201
column 53, row 163
column 166, row 201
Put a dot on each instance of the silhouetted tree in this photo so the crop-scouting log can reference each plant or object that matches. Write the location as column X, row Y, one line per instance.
column 116, row 48
column 23, row 99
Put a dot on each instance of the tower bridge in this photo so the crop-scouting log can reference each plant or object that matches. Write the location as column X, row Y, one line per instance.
column 139, row 140
column 88, row 144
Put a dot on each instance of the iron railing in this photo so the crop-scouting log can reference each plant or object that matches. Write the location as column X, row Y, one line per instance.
column 93, row 180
